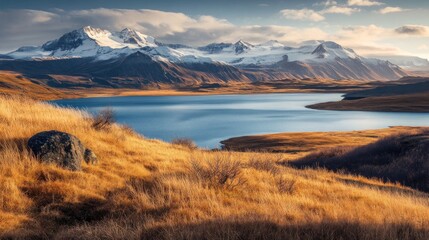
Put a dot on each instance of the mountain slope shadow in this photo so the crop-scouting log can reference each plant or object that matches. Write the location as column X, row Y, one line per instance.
column 402, row 158
column 225, row 229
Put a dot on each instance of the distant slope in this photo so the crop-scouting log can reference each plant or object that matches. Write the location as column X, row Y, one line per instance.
column 306, row 142
column 421, row 85
column 407, row 62
column 402, row 159
column 15, row 84
column 399, row 103
column 412, row 97
column 136, row 70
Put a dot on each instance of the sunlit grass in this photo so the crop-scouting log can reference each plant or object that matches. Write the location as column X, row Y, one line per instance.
column 145, row 188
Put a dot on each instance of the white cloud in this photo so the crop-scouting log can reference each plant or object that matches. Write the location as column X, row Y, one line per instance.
column 413, row 30
column 387, row 10
column 374, row 33
column 330, row 7
column 340, row 10
column 364, row 3
column 330, row 3
column 29, row 27
column 423, row 47
column 375, row 40
column 327, row 3
column 302, row 14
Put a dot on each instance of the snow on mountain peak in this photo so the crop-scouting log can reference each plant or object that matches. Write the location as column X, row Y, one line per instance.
column 93, row 33
column 242, row 46
column 332, row 45
column 132, row 36
column 243, row 43
column 312, row 42
column 332, row 50
column 102, row 44
column 272, row 43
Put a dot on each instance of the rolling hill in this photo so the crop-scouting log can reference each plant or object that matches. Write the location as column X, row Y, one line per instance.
column 407, row 95
column 149, row 189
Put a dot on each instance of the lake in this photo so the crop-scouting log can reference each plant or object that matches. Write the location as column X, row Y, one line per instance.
column 212, row 118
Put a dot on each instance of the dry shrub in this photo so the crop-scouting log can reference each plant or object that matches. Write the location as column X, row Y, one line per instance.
column 104, row 119
column 185, row 142
column 285, row 185
column 129, row 130
column 142, row 196
column 221, row 171
column 263, row 164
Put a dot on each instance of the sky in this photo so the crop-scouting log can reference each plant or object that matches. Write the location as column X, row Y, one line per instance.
column 370, row 27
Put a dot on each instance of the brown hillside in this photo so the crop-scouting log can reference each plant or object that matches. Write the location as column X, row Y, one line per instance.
column 148, row 189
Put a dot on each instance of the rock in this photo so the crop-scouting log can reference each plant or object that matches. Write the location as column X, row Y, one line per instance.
column 90, row 157
column 62, row 149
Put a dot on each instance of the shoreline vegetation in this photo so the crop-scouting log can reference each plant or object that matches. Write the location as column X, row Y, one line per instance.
column 409, row 94
column 150, row 189
column 301, row 143
column 400, row 103
column 12, row 83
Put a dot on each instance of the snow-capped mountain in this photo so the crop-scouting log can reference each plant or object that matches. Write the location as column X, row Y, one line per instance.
column 102, row 45
column 407, row 62
column 242, row 61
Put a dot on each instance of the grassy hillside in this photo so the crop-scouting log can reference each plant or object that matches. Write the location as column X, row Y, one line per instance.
column 401, row 158
column 407, row 95
column 15, row 84
column 302, row 143
column 400, row 103
column 148, row 189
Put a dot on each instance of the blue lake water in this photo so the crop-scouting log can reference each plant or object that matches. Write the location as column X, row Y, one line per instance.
column 210, row 119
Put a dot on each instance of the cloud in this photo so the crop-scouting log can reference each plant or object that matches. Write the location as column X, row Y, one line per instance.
column 387, row 10
column 330, row 7
column 416, row 30
column 423, row 47
column 364, row 3
column 302, row 14
column 27, row 26
column 340, row 10
column 330, row 3
column 370, row 33
column 30, row 27
column 327, row 3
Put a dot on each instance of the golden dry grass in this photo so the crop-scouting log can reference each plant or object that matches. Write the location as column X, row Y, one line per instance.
column 17, row 84
column 149, row 189
column 306, row 142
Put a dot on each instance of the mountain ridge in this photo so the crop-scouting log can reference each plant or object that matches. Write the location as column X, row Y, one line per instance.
column 239, row 61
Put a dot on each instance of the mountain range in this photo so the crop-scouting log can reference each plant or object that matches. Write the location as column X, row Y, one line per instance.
column 135, row 59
